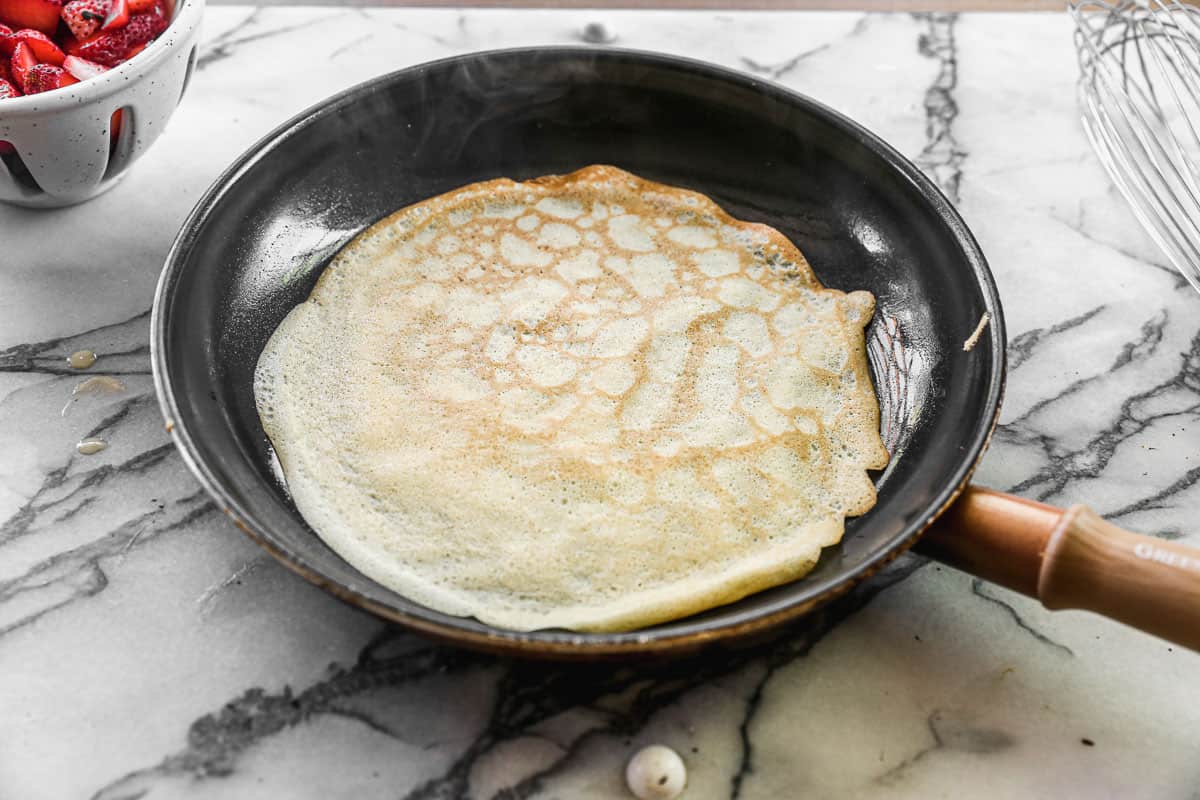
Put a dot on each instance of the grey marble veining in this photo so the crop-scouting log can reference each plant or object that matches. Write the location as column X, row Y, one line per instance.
column 147, row 650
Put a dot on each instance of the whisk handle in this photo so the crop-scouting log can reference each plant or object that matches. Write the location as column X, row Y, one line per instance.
column 1073, row 559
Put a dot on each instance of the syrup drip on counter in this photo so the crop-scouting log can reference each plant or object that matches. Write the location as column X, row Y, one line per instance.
column 99, row 384
column 90, row 446
column 81, row 359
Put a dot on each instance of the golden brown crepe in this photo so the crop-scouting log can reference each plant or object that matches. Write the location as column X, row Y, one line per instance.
column 586, row 401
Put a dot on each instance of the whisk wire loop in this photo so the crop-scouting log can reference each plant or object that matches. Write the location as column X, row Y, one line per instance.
column 1139, row 95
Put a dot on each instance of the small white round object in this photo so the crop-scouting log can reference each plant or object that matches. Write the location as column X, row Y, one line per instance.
column 656, row 773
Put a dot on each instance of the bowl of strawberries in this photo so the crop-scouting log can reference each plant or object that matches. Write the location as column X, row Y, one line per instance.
column 86, row 86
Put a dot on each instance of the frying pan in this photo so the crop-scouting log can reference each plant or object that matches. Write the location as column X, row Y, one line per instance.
column 864, row 216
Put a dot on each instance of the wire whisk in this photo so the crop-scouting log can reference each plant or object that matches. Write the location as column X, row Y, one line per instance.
column 1139, row 93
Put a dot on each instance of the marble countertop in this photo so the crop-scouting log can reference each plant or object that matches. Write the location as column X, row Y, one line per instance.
column 149, row 650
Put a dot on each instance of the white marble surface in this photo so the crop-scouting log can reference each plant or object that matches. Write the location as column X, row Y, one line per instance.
column 148, row 650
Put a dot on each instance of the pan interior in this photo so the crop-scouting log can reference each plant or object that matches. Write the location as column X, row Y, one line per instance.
column 863, row 216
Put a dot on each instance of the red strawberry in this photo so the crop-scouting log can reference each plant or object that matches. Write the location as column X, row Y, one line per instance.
column 144, row 27
column 7, row 90
column 82, row 69
column 44, row 77
column 22, row 61
column 83, row 17
column 118, row 15
column 44, row 50
column 6, row 41
column 106, row 47
column 41, row 15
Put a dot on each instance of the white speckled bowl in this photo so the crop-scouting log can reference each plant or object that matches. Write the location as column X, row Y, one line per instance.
column 64, row 155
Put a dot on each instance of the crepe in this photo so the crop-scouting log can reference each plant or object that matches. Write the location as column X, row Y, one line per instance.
column 587, row 401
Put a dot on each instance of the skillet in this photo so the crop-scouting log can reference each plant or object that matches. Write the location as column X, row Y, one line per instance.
column 864, row 216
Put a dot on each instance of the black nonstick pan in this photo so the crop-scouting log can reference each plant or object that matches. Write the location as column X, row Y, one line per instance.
column 864, row 216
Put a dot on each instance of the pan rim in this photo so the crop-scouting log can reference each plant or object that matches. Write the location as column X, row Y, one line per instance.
column 557, row 643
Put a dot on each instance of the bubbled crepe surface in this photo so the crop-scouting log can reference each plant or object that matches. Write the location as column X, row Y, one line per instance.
column 586, row 401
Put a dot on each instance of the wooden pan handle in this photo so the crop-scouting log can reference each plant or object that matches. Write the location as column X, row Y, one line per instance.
column 1072, row 559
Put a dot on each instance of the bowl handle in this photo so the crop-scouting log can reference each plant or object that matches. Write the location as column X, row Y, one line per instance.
column 1072, row 559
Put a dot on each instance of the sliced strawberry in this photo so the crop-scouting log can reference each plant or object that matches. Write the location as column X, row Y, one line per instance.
column 45, row 77
column 81, row 68
column 118, row 15
column 144, row 27
column 106, row 47
column 41, row 15
column 7, row 90
column 43, row 48
column 7, row 43
column 22, row 61
column 84, row 17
